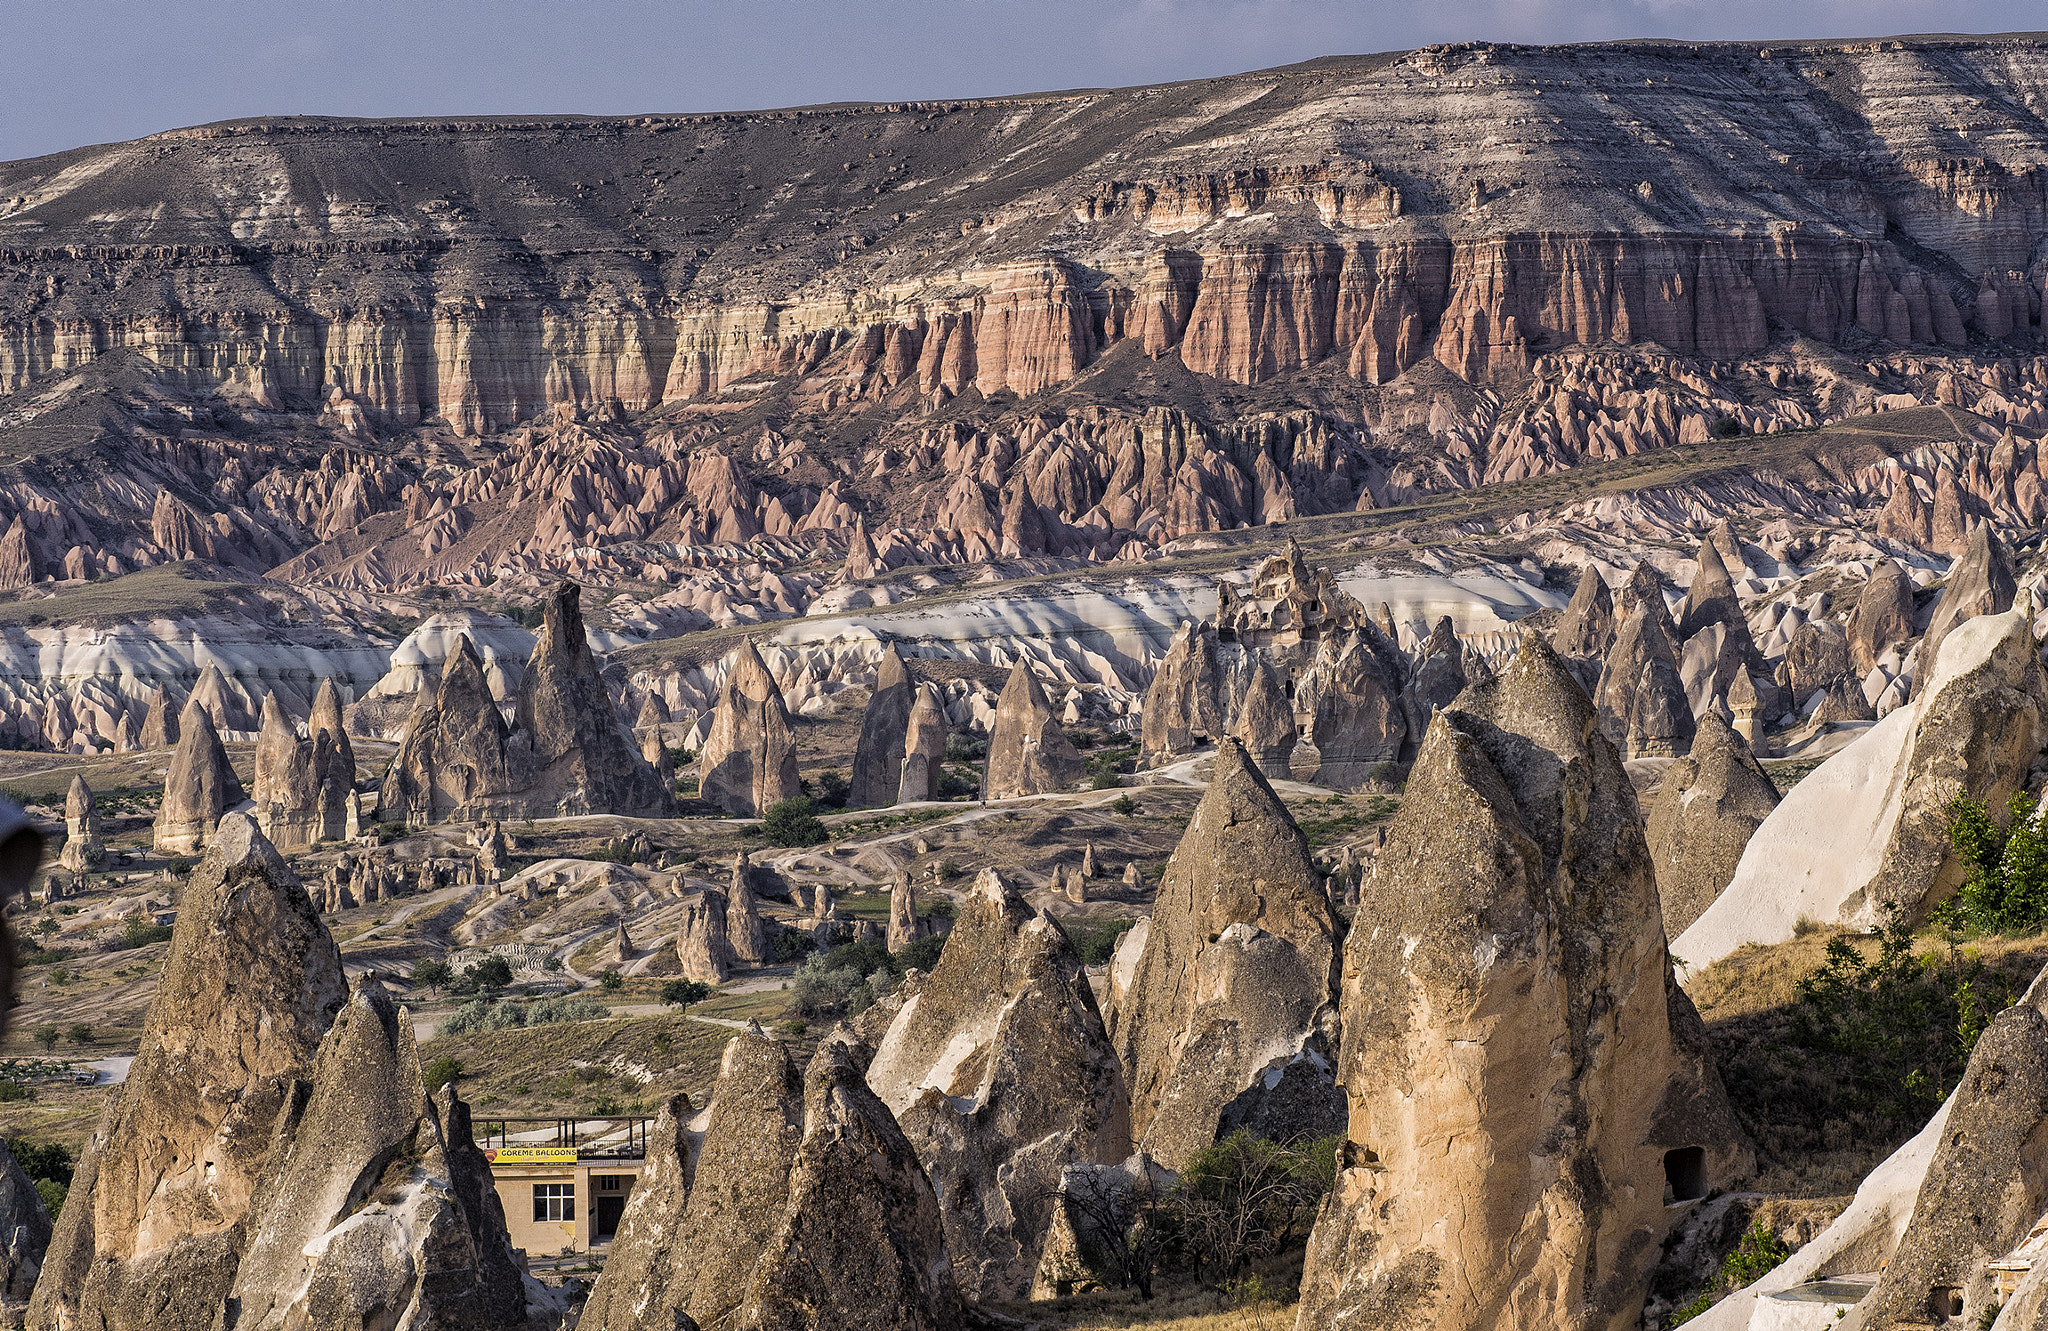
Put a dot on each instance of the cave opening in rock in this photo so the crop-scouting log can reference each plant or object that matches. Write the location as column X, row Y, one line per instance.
column 1685, row 1174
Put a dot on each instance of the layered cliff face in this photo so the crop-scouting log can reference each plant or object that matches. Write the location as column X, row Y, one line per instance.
column 1174, row 310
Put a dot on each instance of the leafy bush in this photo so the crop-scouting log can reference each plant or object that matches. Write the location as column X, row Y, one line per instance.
column 682, row 993
column 440, row 1071
column 1756, row 1256
column 47, row 1036
column 432, row 974
column 792, row 945
column 1245, row 1199
column 921, row 955
column 2007, row 888
column 484, row 1015
column 1123, row 804
column 958, row 783
column 791, row 823
column 139, row 931
column 49, row 1167
column 833, row 789
column 79, row 1032
column 13, row 1091
column 1104, row 779
column 611, row 982
column 965, row 748
column 487, row 976
column 1095, row 942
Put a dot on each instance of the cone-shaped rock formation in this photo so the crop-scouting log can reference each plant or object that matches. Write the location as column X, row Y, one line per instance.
column 749, row 755
column 1709, row 805
column 884, row 727
column 1001, row 1074
column 1028, row 753
column 200, row 788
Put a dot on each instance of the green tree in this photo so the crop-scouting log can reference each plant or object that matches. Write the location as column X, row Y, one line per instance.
column 682, row 993
column 440, row 1071
column 79, row 1033
column 791, row 823
column 2007, row 887
column 47, row 1037
column 611, row 982
column 432, row 973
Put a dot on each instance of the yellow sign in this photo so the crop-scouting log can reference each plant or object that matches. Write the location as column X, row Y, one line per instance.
column 531, row 1155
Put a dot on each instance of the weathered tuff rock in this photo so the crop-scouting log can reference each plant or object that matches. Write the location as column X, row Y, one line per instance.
column 906, row 926
column 160, row 726
column 1868, row 829
column 924, row 746
column 1512, row 1002
column 1228, row 1017
column 1984, row 1188
column 24, row 1231
column 1352, row 689
column 1001, row 1075
column 573, row 754
column 200, row 788
column 861, row 1244
column 1816, row 659
column 1641, row 696
column 1710, row 803
column 1028, row 753
column 452, row 761
column 1265, row 723
column 566, row 755
column 745, row 930
column 1437, row 678
column 702, row 945
column 302, row 785
column 749, row 755
column 83, row 850
column 376, row 1203
column 1883, row 617
column 1185, row 706
column 691, row 1234
column 1588, row 625
column 884, row 729
column 1979, row 583
column 150, row 1235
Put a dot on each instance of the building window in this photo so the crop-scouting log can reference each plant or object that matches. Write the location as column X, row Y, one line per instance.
column 611, row 1183
column 554, row 1201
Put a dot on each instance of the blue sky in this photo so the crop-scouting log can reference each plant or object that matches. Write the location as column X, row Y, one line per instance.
column 102, row 70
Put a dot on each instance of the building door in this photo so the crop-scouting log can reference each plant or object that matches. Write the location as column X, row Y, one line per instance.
column 609, row 1204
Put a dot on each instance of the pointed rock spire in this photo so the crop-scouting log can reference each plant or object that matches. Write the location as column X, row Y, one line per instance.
column 749, row 762
column 1710, row 803
column 582, row 759
column 201, row 785
column 884, row 729
column 1265, row 722
column 83, row 850
column 1979, row 583
column 1225, row 1010
column 924, row 746
column 1028, row 753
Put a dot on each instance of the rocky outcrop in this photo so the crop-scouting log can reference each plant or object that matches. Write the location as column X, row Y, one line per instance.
column 702, row 946
column 1265, row 723
column 693, row 1230
column 1979, row 583
column 1708, row 806
column 884, row 730
column 1868, row 829
column 1028, row 753
column 571, row 754
column 1185, row 706
column 83, row 851
column 1641, row 697
column 1816, row 659
column 861, row 1241
column 1229, row 1015
column 1352, row 690
column 1436, row 677
column 376, row 1203
column 160, row 726
column 749, row 763
column 924, row 746
column 157, row 1216
column 745, row 930
column 1512, row 1001
column 302, row 785
column 201, row 785
column 1883, row 617
column 453, row 761
column 906, row 926
column 24, row 1232
column 1001, row 1074
column 1588, row 626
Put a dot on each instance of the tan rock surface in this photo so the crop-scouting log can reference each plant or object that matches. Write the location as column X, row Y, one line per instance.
column 201, row 785
column 749, row 762
column 879, row 755
column 1883, row 617
column 84, row 850
column 1708, row 805
column 1512, row 1001
column 1028, row 753
column 1231, row 1001
column 151, row 1232
column 1979, row 583
column 1001, row 1074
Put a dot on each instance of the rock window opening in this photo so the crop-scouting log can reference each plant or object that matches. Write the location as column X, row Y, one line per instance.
column 1685, row 1174
column 554, row 1201
column 1945, row 1301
